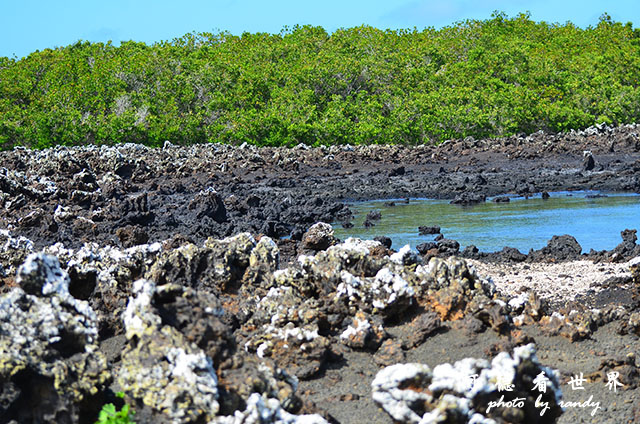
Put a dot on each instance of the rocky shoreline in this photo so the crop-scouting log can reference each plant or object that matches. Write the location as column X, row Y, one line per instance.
column 201, row 282
column 129, row 194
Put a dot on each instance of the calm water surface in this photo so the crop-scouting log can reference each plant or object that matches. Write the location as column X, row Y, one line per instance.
column 522, row 223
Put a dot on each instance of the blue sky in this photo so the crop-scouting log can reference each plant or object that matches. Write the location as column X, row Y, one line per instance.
column 30, row 25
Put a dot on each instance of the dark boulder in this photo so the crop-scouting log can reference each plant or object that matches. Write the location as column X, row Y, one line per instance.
column 390, row 352
column 448, row 247
column 501, row 199
column 423, row 248
column 318, row 237
column 629, row 236
column 421, row 328
column 470, row 251
column 468, row 199
column 559, row 248
column 426, row 230
column 384, row 240
column 478, row 180
column 134, row 210
column 397, row 171
column 588, row 163
column 628, row 248
column 512, row 254
column 374, row 216
column 132, row 235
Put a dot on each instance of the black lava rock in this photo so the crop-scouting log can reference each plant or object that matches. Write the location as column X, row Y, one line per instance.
column 426, row 230
column 468, row 199
column 384, row 240
column 374, row 216
column 423, row 248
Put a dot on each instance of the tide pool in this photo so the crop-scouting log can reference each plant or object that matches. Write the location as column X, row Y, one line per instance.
column 594, row 219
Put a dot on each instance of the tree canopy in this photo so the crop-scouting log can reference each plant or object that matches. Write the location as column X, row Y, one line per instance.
column 360, row 85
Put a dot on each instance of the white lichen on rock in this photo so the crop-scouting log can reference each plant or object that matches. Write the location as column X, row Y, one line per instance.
column 138, row 317
column 262, row 410
column 404, row 256
column 449, row 393
column 390, row 393
column 50, row 337
column 165, row 371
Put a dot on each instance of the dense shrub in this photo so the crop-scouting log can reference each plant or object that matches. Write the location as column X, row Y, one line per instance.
column 359, row 85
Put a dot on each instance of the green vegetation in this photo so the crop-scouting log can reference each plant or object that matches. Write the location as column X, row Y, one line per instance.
column 360, row 85
column 109, row 414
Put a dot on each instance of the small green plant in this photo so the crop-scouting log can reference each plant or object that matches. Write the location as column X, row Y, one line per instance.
column 109, row 414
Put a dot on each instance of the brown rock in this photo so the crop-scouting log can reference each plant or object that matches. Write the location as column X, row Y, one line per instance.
column 318, row 237
column 575, row 326
column 423, row 326
column 494, row 316
column 471, row 325
column 305, row 360
column 389, row 353
column 628, row 371
column 365, row 332
column 132, row 235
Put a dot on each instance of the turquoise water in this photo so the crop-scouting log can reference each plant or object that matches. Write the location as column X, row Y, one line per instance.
column 522, row 223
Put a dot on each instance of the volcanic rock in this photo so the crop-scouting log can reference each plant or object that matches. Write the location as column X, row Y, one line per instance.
column 588, row 163
column 318, row 237
column 132, row 235
column 512, row 254
column 425, row 230
column 160, row 369
column 52, row 370
column 627, row 370
column 559, row 248
column 208, row 203
column 384, row 240
column 448, row 247
column 628, row 248
column 373, row 216
column 423, row 326
column 468, row 199
column 364, row 333
column 423, row 248
column 413, row 393
column 501, row 199
column 390, row 352
column 575, row 326
column 397, row 171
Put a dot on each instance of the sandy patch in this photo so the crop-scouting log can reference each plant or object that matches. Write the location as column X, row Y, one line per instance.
column 554, row 282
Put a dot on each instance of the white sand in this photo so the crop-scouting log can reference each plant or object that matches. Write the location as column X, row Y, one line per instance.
column 561, row 281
